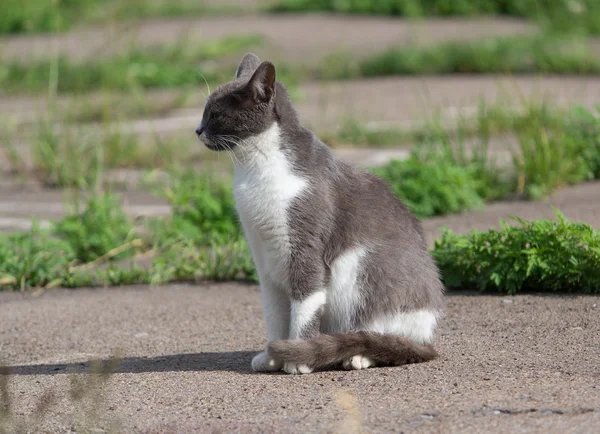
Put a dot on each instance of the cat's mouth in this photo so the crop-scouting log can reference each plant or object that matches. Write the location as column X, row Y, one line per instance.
column 214, row 145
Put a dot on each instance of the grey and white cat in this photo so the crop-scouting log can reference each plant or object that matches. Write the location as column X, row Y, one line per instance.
column 344, row 270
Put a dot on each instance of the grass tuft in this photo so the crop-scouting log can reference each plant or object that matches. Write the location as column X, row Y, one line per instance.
column 582, row 15
column 101, row 227
column 546, row 53
column 144, row 68
column 432, row 185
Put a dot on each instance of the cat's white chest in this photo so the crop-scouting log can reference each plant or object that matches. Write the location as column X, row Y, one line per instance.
column 264, row 188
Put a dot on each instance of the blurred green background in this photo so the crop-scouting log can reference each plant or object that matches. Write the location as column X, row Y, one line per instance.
column 455, row 103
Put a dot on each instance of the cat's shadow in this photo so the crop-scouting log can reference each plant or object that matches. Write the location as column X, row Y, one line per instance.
column 235, row 361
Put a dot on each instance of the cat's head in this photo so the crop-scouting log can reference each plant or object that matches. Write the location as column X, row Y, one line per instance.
column 241, row 108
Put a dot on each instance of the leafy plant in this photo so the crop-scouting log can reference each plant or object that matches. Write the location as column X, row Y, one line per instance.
column 558, row 14
column 59, row 15
column 33, row 259
column 583, row 127
column 432, row 185
column 157, row 67
column 203, row 210
column 546, row 53
column 540, row 256
column 101, row 227
column 188, row 261
column 564, row 151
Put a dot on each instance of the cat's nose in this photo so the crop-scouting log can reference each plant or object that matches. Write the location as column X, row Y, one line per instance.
column 199, row 130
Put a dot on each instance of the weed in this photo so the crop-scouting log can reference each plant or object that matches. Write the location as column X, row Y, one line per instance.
column 547, row 53
column 352, row 132
column 185, row 260
column 60, row 15
column 40, row 15
column 66, row 157
column 203, row 210
column 558, row 14
column 33, row 259
column 158, row 67
column 583, row 126
column 546, row 161
column 557, row 150
column 554, row 147
column 432, row 185
column 540, row 256
column 101, row 227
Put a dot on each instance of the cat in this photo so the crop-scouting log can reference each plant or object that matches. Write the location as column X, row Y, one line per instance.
column 345, row 274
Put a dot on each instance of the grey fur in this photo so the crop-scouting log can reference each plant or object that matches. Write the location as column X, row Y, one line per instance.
column 347, row 207
column 247, row 66
column 329, row 350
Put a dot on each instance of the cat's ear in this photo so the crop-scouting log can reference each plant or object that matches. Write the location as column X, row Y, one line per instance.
column 262, row 83
column 247, row 66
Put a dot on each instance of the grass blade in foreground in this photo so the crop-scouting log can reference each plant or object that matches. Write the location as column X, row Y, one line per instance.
column 538, row 256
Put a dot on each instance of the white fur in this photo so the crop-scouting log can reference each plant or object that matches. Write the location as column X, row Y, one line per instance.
column 418, row 326
column 343, row 295
column 262, row 362
column 303, row 312
column 357, row 363
column 296, row 368
column 264, row 187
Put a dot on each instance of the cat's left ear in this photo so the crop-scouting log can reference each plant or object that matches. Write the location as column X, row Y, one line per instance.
column 262, row 83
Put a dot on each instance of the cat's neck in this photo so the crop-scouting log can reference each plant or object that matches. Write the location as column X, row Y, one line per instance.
column 259, row 150
column 284, row 110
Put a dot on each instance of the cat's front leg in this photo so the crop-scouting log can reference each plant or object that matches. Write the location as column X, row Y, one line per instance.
column 307, row 305
column 276, row 306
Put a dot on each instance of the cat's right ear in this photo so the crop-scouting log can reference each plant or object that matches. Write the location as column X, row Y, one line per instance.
column 262, row 83
column 247, row 66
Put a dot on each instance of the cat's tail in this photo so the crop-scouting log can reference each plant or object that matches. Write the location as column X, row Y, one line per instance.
column 330, row 349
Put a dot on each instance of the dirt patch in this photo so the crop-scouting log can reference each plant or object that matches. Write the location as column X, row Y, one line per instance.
column 391, row 102
column 508, row 364
column 579, row 203
column 293, row 38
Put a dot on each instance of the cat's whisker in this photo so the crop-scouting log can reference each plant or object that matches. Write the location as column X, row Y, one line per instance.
column 220, row 142
column 230, row 151
column 207, row 86
column 236, row 141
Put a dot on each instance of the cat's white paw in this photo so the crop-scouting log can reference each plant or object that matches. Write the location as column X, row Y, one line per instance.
column 263, row 362
column 357, row 362
column 296, row 368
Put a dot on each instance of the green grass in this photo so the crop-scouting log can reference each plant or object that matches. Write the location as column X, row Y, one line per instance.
column 51, row 16
column 539, row 256
column 33, row 259
column 547, row 54
column 158, row 67
column 41, row 15
column 99, row 228
column 582, row 15
column 554, row 147
column 200, row 240
column 432, row 185
column 203, row 240
column 66, row 154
